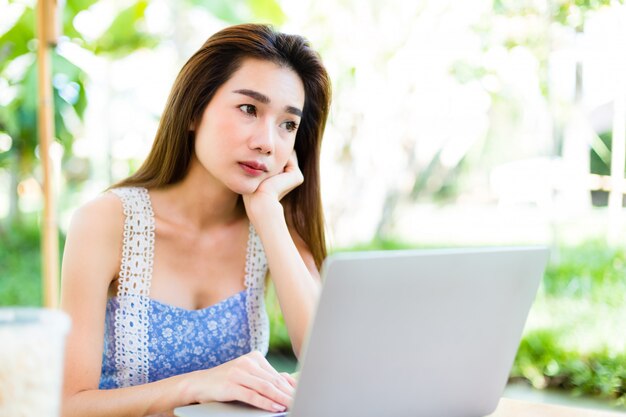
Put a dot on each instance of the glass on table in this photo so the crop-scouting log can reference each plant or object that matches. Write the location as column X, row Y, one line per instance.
column 32, row 344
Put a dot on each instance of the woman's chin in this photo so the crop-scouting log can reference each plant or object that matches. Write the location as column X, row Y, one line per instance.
column 247, row 187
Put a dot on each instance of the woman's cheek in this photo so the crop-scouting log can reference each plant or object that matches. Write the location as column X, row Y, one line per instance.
column 277, row 170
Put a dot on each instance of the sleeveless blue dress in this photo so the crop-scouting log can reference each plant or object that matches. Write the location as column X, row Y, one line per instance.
column 146, row 340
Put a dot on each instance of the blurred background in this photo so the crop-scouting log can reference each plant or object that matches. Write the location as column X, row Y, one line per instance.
column 453, row 123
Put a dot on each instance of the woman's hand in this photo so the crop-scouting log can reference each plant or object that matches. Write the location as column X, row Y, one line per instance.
column 267, row 196
column 249, row 379
column 281, row 184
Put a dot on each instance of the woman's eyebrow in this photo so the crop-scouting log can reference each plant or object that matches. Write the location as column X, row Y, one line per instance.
column 255, row 95
column 266, row 100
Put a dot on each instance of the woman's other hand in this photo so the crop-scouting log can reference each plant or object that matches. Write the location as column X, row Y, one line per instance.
column 249, row 379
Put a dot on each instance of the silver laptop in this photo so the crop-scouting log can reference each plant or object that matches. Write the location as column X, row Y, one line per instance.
column 411, row 333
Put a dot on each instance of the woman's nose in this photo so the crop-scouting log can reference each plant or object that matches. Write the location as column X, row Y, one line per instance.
column 263, row 139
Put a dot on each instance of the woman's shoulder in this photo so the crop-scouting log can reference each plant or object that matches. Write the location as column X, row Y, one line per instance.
column 104, row 213
column 94, row 240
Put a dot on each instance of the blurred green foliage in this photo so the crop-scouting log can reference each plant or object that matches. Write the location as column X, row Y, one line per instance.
column 591, row 270
column 18, row 72
column 565, row 12
column 239, row 11
column 544, row 362
column 20, row 266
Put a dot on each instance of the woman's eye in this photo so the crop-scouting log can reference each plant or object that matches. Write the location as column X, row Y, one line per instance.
column 290, row 126
column 248, row 109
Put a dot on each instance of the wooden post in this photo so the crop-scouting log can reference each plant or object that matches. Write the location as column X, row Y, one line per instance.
column 46, row 35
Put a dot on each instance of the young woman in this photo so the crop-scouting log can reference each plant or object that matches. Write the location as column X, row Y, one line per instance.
column 163, row 275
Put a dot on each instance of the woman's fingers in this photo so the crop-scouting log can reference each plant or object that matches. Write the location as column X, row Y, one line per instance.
column 290, row 379
column 262, row 362
column 292, row 162
column 254, row 373
column 267, row 389
column 267, row 373
column 291, row 177
column 250, row 379
column 252, row 397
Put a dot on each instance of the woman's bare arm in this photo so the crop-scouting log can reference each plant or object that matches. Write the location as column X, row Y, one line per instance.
column 291, row 263
column 294, row 274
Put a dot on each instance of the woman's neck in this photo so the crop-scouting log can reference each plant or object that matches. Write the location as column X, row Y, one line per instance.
column 198, row 201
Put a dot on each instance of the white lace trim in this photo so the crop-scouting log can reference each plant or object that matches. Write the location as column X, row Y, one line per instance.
column 256, row 269
column 132, row 316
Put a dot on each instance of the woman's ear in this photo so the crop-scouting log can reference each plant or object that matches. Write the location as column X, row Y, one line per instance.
column 192, row 126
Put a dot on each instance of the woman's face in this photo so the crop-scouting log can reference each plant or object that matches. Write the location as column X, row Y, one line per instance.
column 248, row 129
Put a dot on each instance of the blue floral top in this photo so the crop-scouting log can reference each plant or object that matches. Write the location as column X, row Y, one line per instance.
column 146, row 340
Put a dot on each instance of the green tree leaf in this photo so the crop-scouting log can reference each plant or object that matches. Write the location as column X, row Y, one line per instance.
column 242, row 11
column 125, row 35
column 14, row 42
column 230, row 11
column 268, row 11
column 70, row 10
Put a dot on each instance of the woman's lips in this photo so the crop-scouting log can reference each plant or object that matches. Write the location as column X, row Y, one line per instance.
column 253, row 168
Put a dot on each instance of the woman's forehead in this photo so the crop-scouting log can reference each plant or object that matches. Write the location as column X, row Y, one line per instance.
column 279, row 83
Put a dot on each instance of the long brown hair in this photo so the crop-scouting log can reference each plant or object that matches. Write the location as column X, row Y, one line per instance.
column 210, row 67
